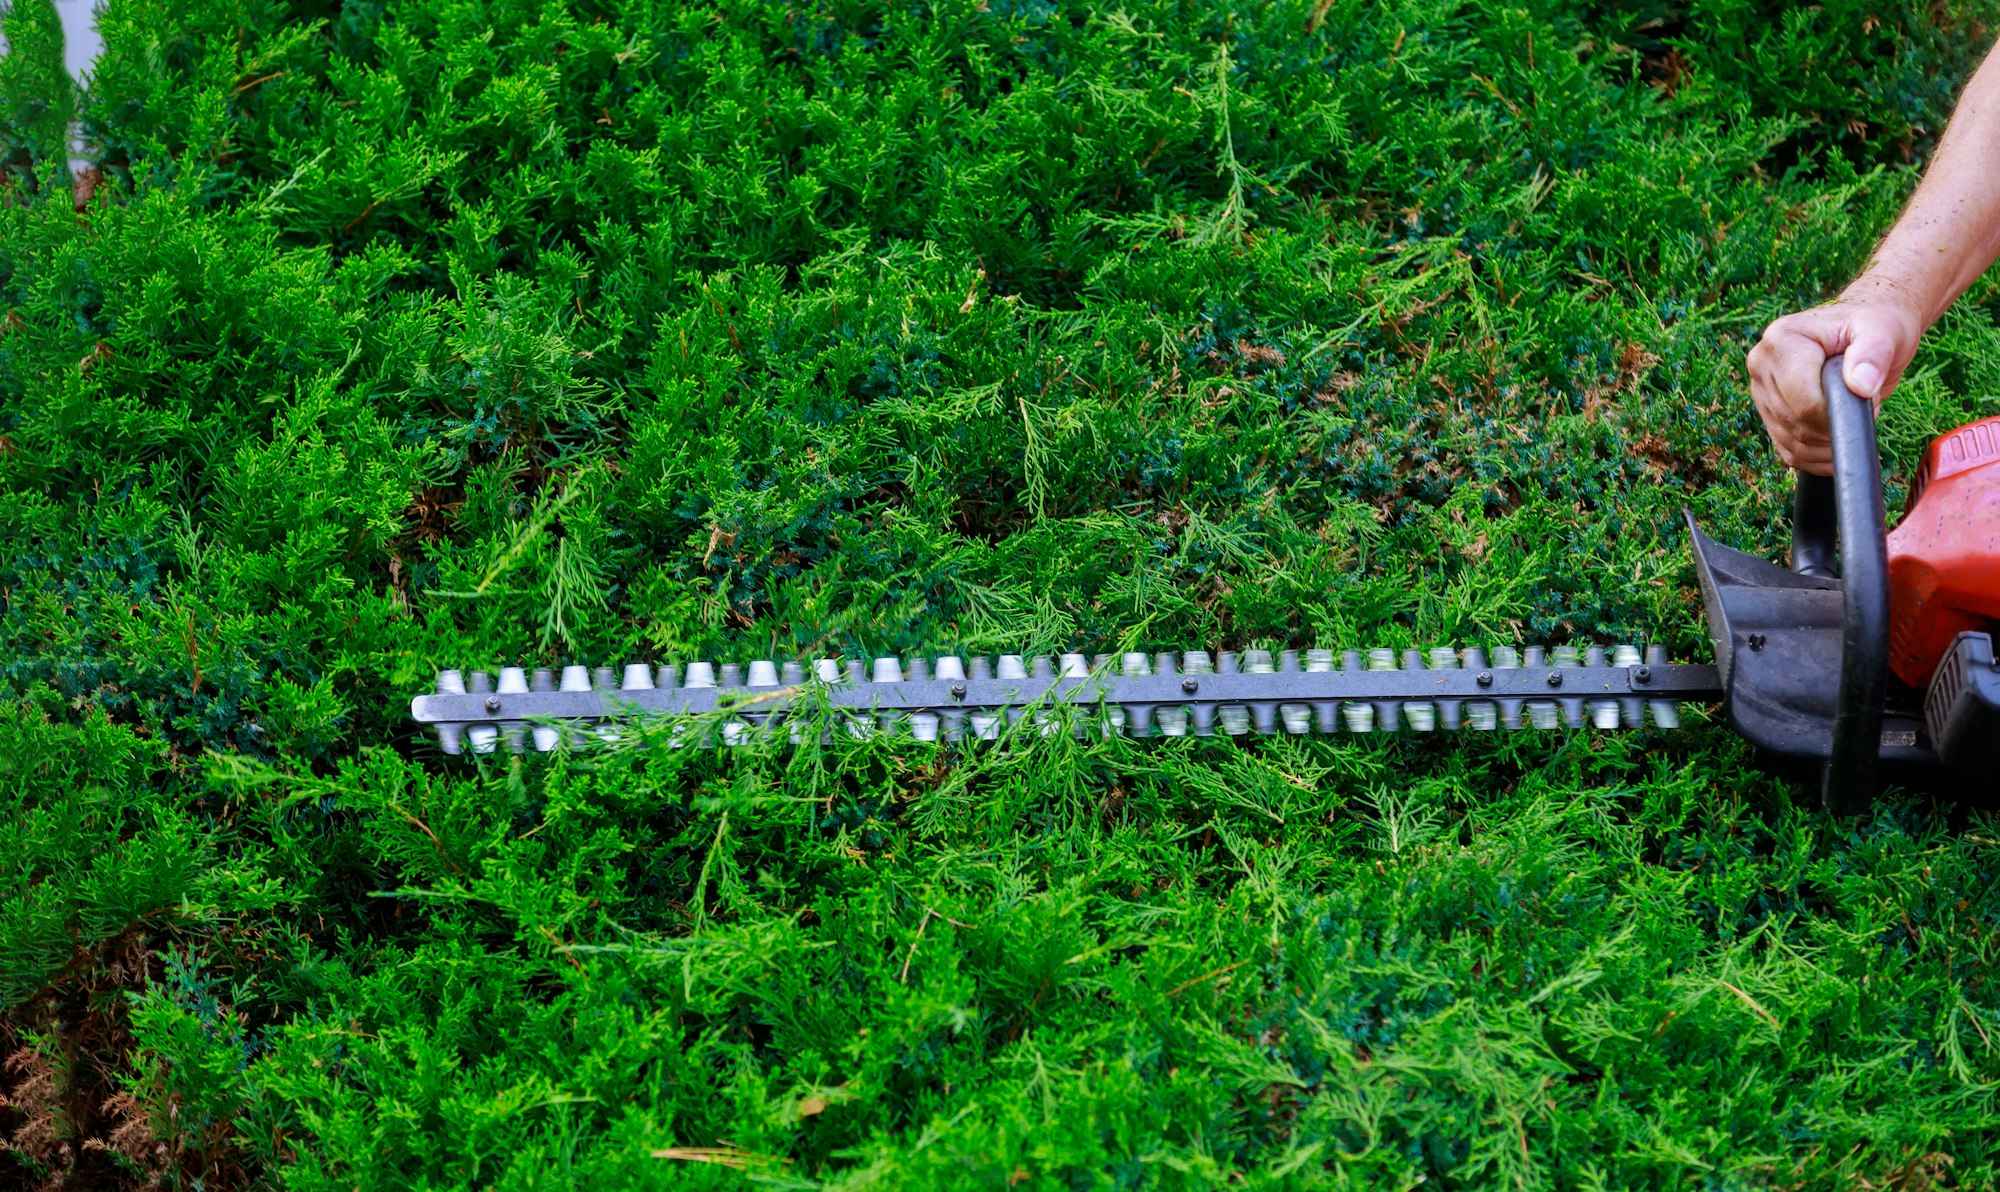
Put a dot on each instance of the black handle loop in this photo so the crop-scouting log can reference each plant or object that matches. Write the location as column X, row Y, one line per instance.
column 1814, row 526
column 1850, row 504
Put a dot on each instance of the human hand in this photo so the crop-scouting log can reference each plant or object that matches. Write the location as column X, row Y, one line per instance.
column 1877, row 335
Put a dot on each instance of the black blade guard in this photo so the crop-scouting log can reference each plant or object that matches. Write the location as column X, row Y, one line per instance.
column 1777, row 639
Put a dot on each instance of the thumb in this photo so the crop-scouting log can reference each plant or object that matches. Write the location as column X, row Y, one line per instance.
column 1871, row 359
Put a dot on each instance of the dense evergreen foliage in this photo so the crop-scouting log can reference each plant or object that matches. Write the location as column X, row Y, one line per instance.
column 418, row 333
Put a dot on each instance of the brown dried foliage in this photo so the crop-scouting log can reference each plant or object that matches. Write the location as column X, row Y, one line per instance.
column 67, row 1118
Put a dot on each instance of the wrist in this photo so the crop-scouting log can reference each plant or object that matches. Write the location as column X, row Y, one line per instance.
column 1913, row 305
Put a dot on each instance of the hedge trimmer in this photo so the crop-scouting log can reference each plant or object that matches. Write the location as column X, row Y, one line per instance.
column 1803, row 659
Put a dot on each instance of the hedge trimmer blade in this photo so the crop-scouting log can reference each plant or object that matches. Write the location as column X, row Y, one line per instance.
column 1136, row 695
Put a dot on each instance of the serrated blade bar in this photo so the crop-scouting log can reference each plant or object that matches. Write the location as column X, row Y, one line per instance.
column 890, row 699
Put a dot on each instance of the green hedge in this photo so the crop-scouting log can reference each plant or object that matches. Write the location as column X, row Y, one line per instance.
column 405, row 334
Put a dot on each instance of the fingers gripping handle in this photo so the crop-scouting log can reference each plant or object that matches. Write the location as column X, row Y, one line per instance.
column 1850, row 505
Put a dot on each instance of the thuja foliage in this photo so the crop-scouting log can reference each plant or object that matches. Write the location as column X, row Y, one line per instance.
column 423, row 333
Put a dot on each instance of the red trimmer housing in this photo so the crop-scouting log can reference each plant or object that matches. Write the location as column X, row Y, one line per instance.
column 1944, row 559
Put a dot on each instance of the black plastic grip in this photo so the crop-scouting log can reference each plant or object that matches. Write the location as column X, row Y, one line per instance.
column 1856, row 498
column 1814, row 526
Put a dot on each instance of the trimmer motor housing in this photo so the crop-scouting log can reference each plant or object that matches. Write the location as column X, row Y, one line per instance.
column 1962, row 711
column 1944, row 559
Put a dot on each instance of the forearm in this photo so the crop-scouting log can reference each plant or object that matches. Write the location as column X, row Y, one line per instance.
column 1950, row 232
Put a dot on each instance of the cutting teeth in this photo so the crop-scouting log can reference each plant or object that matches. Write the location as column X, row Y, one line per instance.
column 513, row 681
column 762, row 673
column 1134, row 720
column 1666, row 713
column 1197, row 662
column 1386, row 719
column 950, row 668
column 1511, row 707
column 1235, row 718
column 1070, row 666
column 451, row 737
column 1263, row 713
column 1451, row 712
column 1480, row 715
column 888, row 670
column 1631, row 709
column 544, row 736
column 1071, row 692
column 603, row 678
column 1295, row 719
column 1603, row 712
column 480, row 736
column 574, row 678
column 1170, row 719
column 924, row 726
column 1421, row 714
column 1542, row 714
column 1572, row 706
column 985, row 724
column 1358, row 717
column 1042, row 669
column 1326, row 712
